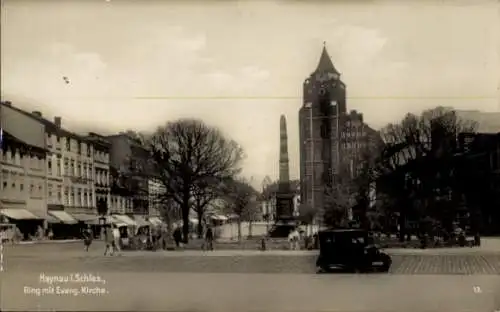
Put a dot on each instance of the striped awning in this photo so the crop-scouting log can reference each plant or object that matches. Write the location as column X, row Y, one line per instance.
column 87, row 218
column 46, row 217
column 219, row 217
column 141, row 221
column 125, row 219
column 18, row 214
column 155, row 221
column 63, row 216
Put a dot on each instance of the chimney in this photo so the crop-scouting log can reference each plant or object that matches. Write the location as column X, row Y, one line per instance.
column 57, row 121
column 37, row 114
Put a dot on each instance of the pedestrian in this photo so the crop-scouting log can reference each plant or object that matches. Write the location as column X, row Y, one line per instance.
column 209, row 239
column 87, row 237
column 116, row 239
column 177, row 236
column 293, row 239
column 108, row 239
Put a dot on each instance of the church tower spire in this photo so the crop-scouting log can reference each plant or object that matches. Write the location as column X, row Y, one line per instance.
column 325, row 62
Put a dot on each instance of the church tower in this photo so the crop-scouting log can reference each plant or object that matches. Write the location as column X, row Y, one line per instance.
column 324, row 102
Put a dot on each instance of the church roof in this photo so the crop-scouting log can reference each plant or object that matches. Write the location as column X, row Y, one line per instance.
column 325, row 63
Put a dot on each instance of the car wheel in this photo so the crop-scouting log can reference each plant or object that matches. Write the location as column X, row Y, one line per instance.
column 387, row 262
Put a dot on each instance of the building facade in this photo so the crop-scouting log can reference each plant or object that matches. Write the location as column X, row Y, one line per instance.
column 23, row 154
column 331, row 139
column 156, row 190
column 101, row 171
column 129, row 192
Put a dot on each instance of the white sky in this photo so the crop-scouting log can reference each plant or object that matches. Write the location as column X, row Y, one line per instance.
column 136, row 64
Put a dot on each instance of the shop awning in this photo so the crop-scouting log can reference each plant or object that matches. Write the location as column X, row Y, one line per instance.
column 18, row 214
column 125, row 219
column 63, row 216
column 219, row 217
column 87, row 218
column 141, row 221
column 46, row 217
column 52, row 219
column 155, row 221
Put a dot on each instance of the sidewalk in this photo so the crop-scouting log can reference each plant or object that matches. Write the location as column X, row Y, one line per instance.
column 58, row 241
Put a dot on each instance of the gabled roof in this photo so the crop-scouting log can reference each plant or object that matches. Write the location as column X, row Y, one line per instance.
column 8, row 138
column 325, row 63
column 50, row 127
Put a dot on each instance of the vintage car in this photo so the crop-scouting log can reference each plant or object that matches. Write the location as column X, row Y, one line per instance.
column 350, row 249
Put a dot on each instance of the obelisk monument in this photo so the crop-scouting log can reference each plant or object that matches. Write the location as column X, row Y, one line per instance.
column 284, row 196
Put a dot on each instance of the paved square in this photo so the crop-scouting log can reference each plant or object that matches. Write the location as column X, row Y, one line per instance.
column 241, row 281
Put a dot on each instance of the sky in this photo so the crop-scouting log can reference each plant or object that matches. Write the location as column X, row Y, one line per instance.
column 239, row 65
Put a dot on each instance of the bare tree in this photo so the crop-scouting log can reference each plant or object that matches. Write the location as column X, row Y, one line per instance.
column 205, row 192
column 187, row 154
column 241, row 200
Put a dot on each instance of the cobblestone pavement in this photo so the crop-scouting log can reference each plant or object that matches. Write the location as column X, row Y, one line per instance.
column 68, row 258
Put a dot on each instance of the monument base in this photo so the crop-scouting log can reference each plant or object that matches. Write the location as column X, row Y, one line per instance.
column 285, row 221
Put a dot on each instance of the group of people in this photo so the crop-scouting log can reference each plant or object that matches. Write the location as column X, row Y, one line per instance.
column 208, row 243
column 111, row 239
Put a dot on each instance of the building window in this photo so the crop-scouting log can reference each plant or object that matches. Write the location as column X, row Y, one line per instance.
column 72, row 168
column 79, row 198
column 58, row 139
column 66, row 195
column 58, row 167
column 79, row 147
column 21, row 187
column 66, row 166
column 89, row 151
column 32, row 189
column 68, row 144
column 49, row 165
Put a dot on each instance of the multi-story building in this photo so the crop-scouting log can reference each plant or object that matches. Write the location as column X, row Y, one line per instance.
column 487, row 122
column 330, row 137
column 129, row 192
column 478, row 175
column 69, row 169
column 357, row 139
column 23, row 179
column 101, row 173
column 156, row 190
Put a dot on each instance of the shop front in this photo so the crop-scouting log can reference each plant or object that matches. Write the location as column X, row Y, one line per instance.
column 26, row 222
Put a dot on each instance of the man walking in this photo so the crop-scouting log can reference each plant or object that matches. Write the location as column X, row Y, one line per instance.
column 293, row 239
column 108, row 240
column 209, row 239
column 87, row 238
column 116, row 239
column 177, row 236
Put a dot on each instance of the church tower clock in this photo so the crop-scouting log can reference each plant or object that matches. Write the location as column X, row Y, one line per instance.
column 324, row 103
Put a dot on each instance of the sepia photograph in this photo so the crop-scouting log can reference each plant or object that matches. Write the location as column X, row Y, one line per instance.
column 253, row 155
